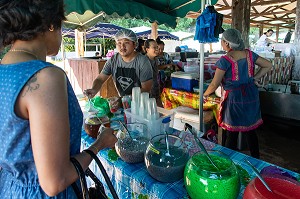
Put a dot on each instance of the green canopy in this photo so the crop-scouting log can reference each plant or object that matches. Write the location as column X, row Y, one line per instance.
column 82, row 14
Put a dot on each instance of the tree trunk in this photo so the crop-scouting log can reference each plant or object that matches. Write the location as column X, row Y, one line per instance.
column 296, row 68
column 241, row 18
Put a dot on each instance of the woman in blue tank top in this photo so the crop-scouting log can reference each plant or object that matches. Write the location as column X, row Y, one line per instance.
column 40, row 117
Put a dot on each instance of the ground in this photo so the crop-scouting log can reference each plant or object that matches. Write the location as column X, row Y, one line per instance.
column 279, row 144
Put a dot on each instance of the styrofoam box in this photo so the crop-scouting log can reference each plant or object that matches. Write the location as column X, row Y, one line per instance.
column 184, row 81
column 155, row 127
column 180, row 118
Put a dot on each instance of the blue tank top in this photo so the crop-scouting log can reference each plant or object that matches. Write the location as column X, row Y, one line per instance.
column 18, row 175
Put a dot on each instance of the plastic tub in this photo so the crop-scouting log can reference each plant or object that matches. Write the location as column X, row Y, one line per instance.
column 155, row 127
column 192, row 62
column 191, row 69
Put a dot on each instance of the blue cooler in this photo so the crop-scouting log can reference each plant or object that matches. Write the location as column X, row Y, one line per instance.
column 184, row 81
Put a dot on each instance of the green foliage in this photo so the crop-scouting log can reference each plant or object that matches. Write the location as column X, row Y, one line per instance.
column 108, row 44
column 183, row 24
column 4, row 51
column 69, row 44
column 226, row 26
column 130, row 23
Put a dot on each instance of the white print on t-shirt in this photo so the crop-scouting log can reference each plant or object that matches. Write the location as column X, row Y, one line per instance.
column 125, row 82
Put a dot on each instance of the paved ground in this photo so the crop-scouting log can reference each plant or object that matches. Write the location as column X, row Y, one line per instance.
column 280, row 144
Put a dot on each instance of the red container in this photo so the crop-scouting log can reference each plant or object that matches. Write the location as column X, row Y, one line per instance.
column 282, row 187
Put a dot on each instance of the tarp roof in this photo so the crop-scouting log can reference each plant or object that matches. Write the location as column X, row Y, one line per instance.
column 83, row 14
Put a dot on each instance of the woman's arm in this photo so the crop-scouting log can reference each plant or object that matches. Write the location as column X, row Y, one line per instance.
column 264, row 67
column 219, row 74
column 270, row 40
column 47, row 111
column 146, row 86
column 97, row 84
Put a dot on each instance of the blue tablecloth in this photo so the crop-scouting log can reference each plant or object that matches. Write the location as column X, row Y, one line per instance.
column 133, row 180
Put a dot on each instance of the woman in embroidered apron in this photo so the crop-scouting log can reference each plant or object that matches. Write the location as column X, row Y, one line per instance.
column 240, row 107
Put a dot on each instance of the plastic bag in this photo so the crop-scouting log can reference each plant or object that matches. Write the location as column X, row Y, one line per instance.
column 101, row 105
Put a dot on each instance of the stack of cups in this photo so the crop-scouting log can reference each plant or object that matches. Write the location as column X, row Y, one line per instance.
column 143, row 104
column 136, row 95
column 152, row 109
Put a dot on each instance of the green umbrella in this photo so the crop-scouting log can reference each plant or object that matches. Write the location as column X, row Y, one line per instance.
column 82, row 14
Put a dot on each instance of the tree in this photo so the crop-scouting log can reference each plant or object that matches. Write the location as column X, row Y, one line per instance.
column 183, row 24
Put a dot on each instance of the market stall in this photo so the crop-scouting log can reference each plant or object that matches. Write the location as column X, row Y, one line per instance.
column 82, row 73
column 134, row 180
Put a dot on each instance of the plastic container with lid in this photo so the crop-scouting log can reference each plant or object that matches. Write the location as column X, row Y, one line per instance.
column 192, row 62
column 154, row 125
column 191, row 69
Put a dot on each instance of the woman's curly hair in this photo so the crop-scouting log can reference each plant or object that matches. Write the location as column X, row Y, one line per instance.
column 25, row 19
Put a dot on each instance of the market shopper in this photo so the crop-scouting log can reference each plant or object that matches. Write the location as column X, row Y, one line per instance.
column 240, row 107
column 151, row 49
column 164, row 59
column 127, row 67
column 264, row 41
column 40, row 117
column 141, row 46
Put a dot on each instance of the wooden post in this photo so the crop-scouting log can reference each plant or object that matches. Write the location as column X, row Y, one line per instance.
column 154, row 33
column 277, row 33
column 79, row 46
column 261, row 30
column 296, row 68
column 241, row 18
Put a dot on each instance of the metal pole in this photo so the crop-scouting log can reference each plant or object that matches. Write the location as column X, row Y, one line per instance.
column 201, row 55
